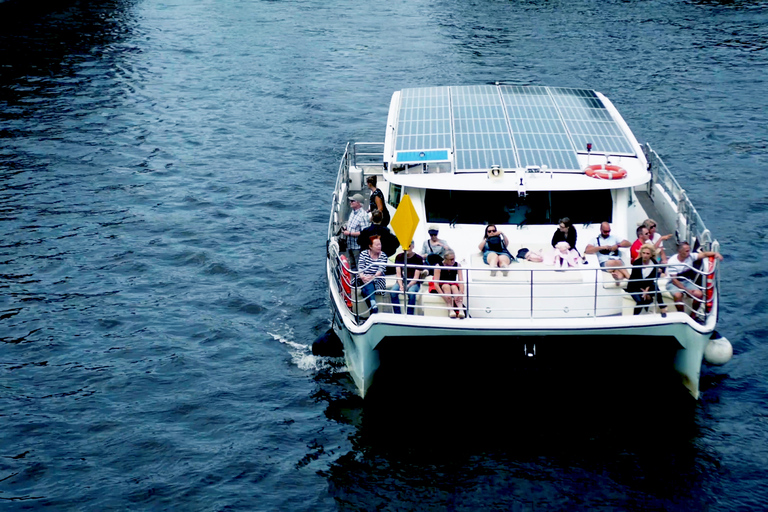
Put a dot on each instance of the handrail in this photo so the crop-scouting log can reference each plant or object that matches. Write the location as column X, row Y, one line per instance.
column 341, row 177
column 608, row 300
column 694, row 229
column 350, row 159
column 378, row 155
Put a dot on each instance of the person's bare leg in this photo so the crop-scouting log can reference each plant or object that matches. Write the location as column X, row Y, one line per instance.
column 493, row 262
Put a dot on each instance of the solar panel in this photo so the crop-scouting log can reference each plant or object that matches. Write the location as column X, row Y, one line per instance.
column 540, row 135
column 511, row 126
column 424, row 119
column 587, row 120
column 480, row 129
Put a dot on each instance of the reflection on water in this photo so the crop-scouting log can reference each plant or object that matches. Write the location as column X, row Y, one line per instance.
column 512, row 435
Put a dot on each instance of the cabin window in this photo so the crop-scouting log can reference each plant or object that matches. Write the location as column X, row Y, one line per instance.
column 482, row 207
column 395, row 194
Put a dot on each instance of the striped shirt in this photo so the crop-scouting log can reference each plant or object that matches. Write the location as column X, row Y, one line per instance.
column 358, row 221
column 368, row 266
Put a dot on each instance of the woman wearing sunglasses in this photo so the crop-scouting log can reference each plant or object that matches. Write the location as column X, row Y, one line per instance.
column 494, row 247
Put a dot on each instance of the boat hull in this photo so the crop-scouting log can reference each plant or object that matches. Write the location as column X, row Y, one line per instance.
column 606, row 342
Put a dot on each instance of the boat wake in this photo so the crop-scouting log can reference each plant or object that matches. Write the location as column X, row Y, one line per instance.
column 302, row 357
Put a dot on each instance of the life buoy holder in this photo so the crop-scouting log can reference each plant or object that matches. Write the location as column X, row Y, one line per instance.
column 346, row 280
column 605, row 172
column 710, row 284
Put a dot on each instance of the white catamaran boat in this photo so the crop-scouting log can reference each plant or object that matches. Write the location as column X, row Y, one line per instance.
column 522, row 158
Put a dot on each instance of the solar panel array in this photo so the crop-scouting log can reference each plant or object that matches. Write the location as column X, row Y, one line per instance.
column 480, row 128
column 539, row 133
column 424, row 121
column 587, row 120
column 510, row 126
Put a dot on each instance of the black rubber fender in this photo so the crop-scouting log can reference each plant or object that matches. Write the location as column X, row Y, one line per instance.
column 328, row 345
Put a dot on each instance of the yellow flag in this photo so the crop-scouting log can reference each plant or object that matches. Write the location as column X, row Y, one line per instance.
column 404, row 221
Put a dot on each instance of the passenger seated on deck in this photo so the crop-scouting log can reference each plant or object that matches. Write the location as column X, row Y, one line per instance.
column 565, row 233
column 371, row 268
column 389, row 242
column 434, row 248
column 642, row 237
column 607, row 249
column 415, row 264
column 562, row 256
column 494, row 247
column 450, row 280
column 683, row 276
column 643, row 280
column 657, row 239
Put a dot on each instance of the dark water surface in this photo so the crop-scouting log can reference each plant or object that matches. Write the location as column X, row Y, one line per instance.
column 165, row 173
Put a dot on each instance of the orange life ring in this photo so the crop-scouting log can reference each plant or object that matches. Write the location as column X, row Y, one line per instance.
column 710, row 283
column 605, row 172
column 346, row 280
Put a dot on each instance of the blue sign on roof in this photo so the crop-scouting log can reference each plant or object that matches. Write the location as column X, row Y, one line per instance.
column 422, row 156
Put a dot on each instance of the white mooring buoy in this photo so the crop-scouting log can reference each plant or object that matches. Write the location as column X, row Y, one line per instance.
column 718, row 350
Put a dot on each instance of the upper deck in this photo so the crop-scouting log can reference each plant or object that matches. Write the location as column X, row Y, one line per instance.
column 540, row 138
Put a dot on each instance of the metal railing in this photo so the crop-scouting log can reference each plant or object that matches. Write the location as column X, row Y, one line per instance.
column 366, row 156
column 689, row 225
column 369, row 156
column 527, row 293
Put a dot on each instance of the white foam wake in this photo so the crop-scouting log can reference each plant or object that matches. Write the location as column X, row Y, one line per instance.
column 301, row 355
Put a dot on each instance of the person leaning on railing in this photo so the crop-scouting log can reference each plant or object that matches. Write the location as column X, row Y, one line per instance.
column 371, row 268
column 682, row 274
column 642, row 281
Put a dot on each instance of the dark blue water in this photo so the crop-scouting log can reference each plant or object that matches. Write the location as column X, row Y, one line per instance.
column 165, row 173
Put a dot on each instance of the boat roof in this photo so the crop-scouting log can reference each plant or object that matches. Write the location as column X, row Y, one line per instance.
column 470, row 129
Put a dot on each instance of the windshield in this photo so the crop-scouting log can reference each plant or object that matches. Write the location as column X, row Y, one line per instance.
column 482, row 207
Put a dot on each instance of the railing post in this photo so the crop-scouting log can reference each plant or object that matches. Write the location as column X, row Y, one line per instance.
column 530, row 314
column 466, row 291
column 594, row 311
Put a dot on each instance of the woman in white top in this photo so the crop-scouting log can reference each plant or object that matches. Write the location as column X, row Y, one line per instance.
column 657, row 239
